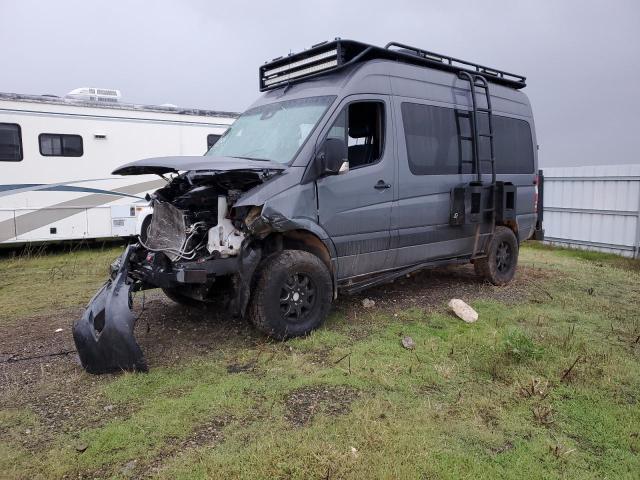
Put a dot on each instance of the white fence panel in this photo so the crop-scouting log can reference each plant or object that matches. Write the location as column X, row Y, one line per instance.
column 594, row 207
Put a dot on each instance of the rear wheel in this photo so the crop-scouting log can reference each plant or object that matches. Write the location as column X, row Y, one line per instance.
column 499, row 266
column 292, row 294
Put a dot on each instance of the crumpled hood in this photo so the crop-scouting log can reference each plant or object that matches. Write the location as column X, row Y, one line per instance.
column 162, row 165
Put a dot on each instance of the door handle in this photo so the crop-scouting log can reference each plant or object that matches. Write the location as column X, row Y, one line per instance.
column 381, row 185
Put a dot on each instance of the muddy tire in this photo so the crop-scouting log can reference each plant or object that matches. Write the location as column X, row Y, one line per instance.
column 181, row 299
column 291, row 296
column 499, row 266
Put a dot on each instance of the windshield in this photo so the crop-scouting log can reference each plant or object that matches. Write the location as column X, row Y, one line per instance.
column 272, row 132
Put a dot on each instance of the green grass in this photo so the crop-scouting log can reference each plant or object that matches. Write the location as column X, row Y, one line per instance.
column 483, row 400
column 36, row 283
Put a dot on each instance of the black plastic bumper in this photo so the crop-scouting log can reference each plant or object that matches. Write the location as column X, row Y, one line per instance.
column 104, row 334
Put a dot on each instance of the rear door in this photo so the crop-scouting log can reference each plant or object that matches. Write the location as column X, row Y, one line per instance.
column 355, row 207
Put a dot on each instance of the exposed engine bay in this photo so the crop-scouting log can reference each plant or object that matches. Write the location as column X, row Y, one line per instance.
column 191, row 216
column 197, row 247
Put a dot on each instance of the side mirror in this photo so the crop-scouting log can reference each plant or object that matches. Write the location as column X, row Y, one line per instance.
column 332, row 158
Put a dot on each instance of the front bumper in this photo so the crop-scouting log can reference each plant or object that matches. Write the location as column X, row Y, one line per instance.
column 104, row 334
column 154, row 270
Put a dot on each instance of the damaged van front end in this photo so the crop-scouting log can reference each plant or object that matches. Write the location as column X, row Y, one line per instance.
column 199, row 248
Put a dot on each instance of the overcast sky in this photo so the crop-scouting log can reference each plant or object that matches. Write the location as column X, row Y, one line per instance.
column 581, row 58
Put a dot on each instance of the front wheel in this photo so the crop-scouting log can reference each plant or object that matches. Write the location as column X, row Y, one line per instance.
column 499, row 266
column 292, row 295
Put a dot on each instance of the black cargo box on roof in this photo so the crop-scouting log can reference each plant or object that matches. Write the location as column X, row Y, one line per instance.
column 327, row 57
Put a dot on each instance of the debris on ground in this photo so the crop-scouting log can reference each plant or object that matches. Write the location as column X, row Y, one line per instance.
column 58, row 330
column 81, row 447
column 368, row 303
column 462, row 310
column 354, row 452
column 408, row 343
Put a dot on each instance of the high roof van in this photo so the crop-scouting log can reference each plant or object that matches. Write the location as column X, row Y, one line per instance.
column 356, row 166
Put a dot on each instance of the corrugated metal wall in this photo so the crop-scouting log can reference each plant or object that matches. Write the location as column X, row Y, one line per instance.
column 594, row 207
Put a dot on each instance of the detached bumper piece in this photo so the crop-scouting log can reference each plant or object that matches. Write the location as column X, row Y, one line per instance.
column 104, row 335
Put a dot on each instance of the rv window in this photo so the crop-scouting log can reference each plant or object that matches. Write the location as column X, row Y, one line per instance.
column 60, row 145
column 366, row 131
column 10, row 142
column 513, row 146
column 211, row 140
column 437, row 139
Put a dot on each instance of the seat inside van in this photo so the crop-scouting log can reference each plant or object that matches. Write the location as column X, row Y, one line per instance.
column 365, row 133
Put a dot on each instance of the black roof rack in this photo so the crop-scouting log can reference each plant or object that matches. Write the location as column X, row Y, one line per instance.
column 326, row 57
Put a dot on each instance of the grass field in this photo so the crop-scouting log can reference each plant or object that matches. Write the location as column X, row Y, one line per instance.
column 545, row 385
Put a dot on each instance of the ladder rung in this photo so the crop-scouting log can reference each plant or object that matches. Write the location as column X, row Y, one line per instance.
column 487, row 135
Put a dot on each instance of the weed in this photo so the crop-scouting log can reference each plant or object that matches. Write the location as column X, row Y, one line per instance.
column 519, row 346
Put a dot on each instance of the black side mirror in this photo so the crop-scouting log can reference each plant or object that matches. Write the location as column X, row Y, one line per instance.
column 332, row 158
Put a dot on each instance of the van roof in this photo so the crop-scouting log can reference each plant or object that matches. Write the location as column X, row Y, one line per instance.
column 327, row 57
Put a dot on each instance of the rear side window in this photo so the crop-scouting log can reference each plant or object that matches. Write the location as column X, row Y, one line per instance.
column 212, row 139
column 60, row 145
column 438, row 139
column 10, row 142
column 513, row 145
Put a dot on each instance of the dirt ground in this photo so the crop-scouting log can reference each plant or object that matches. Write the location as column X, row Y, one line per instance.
column 35, row 356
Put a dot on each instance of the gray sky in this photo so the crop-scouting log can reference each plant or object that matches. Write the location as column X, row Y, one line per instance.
column 581, row 58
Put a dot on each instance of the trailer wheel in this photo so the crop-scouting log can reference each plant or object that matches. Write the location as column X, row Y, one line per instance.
column 292, row 294
column 499, row 266
column 181, row 298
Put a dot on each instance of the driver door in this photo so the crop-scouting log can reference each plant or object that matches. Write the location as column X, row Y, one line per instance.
column 354, row 207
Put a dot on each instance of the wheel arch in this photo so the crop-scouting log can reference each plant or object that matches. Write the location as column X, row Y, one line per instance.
column 305, row 240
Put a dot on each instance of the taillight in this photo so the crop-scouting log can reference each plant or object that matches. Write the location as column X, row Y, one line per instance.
column 535, row 194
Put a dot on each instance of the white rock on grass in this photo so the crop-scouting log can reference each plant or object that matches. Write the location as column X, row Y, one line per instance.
column 368, row 303
column 408, row 343
column 462, row 310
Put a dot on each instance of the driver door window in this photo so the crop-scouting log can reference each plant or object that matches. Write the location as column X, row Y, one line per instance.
column 366, row 133
column 361, row 127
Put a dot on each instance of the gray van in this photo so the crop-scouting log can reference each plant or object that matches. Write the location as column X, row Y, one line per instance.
column 358, row 165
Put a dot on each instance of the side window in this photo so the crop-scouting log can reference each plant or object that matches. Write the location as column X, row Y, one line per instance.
column 365, row 133
column 513, row 145
column 438, row 139
column 10, row 142
column 212, row 139
column 361, row 124
column 60, row 145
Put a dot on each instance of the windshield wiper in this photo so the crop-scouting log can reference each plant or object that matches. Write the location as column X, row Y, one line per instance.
column 251, row 158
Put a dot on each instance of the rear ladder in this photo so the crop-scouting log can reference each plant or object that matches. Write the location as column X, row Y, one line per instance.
column 479, row 82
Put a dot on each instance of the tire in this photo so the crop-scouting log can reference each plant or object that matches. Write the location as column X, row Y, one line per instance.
column 181, row 299
column 499, row 266
column 291, row 296
column 144, row 228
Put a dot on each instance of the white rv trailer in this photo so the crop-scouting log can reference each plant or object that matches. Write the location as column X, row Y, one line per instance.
column 57, row 155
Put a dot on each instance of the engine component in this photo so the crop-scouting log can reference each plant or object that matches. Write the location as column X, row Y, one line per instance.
column 224, row 238
column 167, row 232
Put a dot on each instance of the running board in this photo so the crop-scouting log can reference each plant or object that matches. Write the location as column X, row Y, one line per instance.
column 387, row 277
